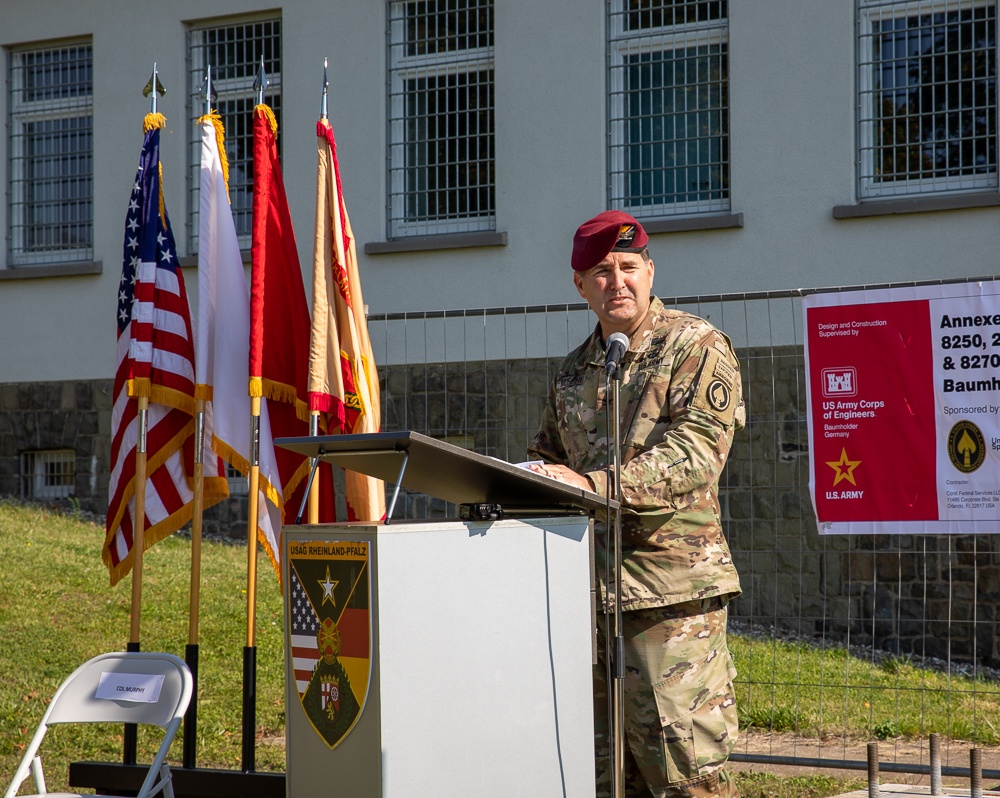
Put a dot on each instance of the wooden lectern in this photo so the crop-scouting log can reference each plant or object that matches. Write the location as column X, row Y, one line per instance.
column 446, row 657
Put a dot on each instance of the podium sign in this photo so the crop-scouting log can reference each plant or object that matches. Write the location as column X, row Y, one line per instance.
column 330, row 633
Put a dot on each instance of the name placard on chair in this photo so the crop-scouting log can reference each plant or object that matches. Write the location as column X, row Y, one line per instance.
column 142, row 688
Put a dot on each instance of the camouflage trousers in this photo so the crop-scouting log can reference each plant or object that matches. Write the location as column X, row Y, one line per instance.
column 680, row 710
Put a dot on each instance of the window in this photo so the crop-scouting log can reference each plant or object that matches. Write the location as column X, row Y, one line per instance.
column 239, row 485
column 927, row 97
column 48, row 474
column 50, row 136
column 234, row 52
column 669, row 106
column 441, row 153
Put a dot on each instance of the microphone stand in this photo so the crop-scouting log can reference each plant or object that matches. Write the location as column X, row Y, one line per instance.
column 615, row 663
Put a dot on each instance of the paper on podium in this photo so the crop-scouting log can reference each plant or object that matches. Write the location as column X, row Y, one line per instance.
column 445, row 471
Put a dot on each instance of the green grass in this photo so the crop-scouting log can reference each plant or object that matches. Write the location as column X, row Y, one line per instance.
column 797, row 687
column 57, row 610
column 765, row 785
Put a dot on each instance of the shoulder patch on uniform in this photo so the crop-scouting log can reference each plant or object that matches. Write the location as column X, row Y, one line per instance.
column 713, row 392
column 718, row 395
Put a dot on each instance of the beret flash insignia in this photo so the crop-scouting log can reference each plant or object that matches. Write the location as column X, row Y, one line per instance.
column 626, row 235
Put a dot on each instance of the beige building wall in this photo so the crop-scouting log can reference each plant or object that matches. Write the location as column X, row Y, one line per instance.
column 792, row 134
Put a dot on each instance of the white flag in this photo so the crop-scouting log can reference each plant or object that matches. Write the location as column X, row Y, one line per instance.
column 223, row 342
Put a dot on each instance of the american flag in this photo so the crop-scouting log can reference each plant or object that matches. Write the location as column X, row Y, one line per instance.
column 305, row 623
column 155, row 358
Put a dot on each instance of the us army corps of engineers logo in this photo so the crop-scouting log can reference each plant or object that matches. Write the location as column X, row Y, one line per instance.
column 330, row 632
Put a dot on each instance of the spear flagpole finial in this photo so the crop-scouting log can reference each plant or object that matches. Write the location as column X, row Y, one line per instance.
column 260, row 82
column 207, row 91
column 153, row 89
column 323, row 109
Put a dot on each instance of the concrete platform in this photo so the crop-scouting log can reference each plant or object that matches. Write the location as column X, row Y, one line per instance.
column 914, row 791
column 786, row 754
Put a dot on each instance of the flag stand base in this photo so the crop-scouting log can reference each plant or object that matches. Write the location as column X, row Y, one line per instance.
column 111, row 778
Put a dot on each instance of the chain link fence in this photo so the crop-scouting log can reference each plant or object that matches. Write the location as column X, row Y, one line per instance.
column 839, row 640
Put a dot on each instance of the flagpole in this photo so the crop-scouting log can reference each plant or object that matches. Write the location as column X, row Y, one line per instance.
column 153, row 89
column 250, row 650
column 313, row 512
column 194, row 602
column 324, row 112
column 313, row 516
column 139, row 522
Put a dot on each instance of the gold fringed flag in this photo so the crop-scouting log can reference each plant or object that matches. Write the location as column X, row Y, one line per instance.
column 155, row 359
column 279, row 322
column 343, row 385
column 224, row 335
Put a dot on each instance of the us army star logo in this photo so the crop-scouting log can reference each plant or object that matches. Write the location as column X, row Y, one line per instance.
column 844, row 468
column 328, row 586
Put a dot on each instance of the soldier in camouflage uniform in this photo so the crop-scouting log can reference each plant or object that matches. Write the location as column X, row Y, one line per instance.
column 680, row 403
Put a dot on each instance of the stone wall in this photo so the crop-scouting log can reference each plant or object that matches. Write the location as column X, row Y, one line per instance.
column 58, row 415
column 76, row 414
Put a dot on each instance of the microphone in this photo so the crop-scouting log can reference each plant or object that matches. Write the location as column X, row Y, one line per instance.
column 616, row 347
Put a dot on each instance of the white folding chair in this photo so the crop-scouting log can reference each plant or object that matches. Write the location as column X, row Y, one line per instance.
column 122, row 687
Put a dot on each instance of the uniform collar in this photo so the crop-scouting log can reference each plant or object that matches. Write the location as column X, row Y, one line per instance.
column 639, row 340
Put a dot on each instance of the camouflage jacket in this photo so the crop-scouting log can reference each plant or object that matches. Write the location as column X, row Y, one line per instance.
column 681, row 401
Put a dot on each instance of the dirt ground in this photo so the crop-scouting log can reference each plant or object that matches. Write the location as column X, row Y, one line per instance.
column 954, row 753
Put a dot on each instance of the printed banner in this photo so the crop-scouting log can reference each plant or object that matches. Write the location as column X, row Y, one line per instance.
column 330, row 632
column 904, row 409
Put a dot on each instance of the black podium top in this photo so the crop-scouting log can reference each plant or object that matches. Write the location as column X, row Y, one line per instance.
column 445, row 471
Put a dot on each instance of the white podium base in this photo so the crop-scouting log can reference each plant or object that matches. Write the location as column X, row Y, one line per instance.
column 480, row 651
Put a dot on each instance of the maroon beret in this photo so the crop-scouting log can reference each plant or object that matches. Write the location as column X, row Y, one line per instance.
column 610, row 231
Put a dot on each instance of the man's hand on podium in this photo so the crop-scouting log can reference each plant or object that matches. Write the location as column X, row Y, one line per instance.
column 563, row 474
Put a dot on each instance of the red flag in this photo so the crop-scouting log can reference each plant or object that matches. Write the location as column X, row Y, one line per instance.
column 279, row 320
column 155, row 358
column 343, row 384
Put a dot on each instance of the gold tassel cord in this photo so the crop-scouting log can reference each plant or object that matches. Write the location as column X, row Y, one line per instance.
column 163, row 205
column 265, row 109
column 152, row 121
column 220, row 142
